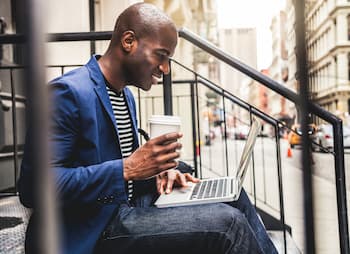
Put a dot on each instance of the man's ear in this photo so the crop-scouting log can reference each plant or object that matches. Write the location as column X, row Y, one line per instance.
column 128, row 40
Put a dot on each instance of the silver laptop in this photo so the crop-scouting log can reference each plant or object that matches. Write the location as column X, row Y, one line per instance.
column 213, row 190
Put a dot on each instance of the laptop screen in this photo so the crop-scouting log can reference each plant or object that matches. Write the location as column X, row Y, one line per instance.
column 248, row 150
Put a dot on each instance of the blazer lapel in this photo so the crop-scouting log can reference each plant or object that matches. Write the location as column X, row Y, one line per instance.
column 132, row 110
column 100, row 89
column 104, row 98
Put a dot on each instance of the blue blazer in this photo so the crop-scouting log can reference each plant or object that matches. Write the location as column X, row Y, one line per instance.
column 86, row 158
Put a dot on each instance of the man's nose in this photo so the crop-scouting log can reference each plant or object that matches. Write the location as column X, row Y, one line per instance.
column 165, row 67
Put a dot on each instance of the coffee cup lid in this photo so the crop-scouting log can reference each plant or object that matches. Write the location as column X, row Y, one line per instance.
column 165, row 119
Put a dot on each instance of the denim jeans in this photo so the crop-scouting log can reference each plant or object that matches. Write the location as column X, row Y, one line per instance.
column 211, row 228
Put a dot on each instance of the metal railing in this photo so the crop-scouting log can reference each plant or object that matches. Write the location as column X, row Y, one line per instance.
column 197, row 137
column 314, row 108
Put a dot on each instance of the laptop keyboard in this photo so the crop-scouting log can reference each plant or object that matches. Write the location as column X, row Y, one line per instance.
column 210, row 189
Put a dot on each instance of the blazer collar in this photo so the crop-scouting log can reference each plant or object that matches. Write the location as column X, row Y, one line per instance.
column 101, row 91
column 100, row 87
column 95, row 71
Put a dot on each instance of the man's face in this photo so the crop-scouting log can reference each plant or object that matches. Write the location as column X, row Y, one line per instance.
column 149, row 60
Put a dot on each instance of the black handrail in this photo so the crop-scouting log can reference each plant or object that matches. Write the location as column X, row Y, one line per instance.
column 59, row 37
column 228, row 59
column 314, row 108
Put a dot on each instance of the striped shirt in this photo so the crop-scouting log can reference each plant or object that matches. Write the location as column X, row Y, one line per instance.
column 124, row 125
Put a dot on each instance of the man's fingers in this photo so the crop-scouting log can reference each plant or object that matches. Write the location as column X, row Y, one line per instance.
column 167, row 179
column 172, row 146
column 181, row 179
column 168, row 165
column 159, row 185
column 170, row 183
column 163, row 185
column 169, row 157
column 189, row 177
column 158, row 149
column 166, row 138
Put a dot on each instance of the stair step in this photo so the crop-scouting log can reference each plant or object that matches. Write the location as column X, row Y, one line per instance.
column 277, row 239
column 13, row 221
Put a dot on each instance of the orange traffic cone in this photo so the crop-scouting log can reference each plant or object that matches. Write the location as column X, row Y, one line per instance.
column 198, row 149
column 289, row 152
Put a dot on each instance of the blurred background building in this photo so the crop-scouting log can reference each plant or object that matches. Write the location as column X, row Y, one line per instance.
column 328, row 45
column 240, row 43
column 280, row 107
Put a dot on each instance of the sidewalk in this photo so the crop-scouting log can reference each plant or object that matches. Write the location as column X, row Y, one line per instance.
column 325, row 215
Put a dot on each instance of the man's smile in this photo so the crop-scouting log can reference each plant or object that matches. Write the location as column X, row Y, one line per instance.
column 156, row 78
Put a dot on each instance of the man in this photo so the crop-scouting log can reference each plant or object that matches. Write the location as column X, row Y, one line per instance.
column 96, row 153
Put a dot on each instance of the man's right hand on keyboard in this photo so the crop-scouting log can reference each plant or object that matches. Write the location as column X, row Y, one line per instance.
column 167, row 179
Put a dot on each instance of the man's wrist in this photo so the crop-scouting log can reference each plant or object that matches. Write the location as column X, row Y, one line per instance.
column 125, row 173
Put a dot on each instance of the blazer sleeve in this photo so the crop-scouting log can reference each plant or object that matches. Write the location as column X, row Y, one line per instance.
column 102, row 183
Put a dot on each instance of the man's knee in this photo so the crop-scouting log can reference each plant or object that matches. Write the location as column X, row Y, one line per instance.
column 236, row 234
column 224, row 215
column 226, row 220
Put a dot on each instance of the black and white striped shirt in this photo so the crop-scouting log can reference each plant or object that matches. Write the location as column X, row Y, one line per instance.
column 124, row 125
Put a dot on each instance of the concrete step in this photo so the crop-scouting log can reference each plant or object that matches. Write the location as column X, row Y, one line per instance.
column 278, row 241
column 13, row 221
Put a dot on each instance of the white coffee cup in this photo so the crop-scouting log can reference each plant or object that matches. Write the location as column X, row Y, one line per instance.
column 162, row 124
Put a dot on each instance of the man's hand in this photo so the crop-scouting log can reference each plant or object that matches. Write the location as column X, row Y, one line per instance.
column 167, row 179
column 157, row 155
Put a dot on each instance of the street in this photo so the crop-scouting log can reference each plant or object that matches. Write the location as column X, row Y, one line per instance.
column 267, row 189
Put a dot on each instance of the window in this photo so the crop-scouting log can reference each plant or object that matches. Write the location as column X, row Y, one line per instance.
column 348, row 66
column 348, row 19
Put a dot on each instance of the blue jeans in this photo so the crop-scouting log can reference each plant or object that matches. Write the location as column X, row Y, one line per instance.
column 211, row 228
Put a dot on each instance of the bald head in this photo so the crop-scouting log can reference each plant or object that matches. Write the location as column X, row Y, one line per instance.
column 143, row 19
column 143, row 40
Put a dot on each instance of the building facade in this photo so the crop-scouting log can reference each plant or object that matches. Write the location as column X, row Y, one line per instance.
column 278, row 69
column 239, row 43
column 328, row 47
column 291, row 82
column 259, row 95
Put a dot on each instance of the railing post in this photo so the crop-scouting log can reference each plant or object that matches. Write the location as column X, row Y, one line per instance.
column 2, row 31
column 14, row 130
column 167, row 93
column 198, row 124
column 225, row 131
column 341, row 186
column 194, row 132
column 280, row 183
column 92, row 24
column 253, row 160
column 37, row 110
column 302, row 72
